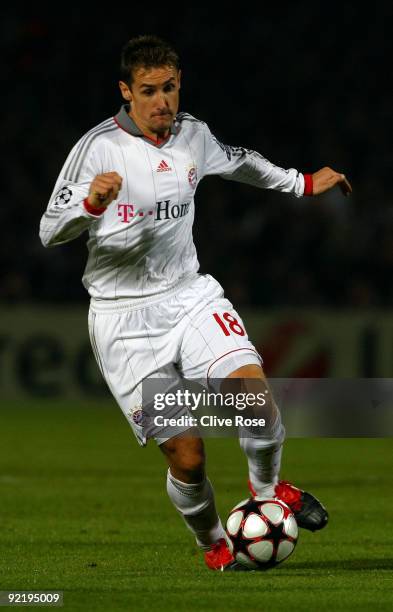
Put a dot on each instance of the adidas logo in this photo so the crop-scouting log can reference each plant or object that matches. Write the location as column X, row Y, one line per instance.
column 163, row 167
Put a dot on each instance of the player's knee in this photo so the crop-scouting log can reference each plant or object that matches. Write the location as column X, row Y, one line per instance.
column 251, row 370
column 186, row 458
column 245, row 384
column 192, row 467
column 250, row 387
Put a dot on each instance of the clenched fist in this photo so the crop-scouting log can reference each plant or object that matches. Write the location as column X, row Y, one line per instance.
column 104, row 189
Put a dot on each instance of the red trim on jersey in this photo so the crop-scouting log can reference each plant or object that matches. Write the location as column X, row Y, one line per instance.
column 156, row 142
column 118, row 125
column 243, row 348
column 93, row 210
column 308, row 185
column 159, row 140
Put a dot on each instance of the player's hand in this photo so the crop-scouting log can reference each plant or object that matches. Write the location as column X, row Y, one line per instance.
column 326, row 178
column 104, row 189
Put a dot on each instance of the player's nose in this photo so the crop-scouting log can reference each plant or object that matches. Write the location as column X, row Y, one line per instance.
column 162, row 100
column 162, row 109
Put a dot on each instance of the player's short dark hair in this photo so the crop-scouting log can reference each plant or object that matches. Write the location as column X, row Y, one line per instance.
column 147, row 51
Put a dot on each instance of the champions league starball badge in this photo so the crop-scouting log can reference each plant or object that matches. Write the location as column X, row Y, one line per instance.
column 63, row 196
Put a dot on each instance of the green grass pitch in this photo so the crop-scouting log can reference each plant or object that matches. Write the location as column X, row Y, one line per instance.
column 85, row 510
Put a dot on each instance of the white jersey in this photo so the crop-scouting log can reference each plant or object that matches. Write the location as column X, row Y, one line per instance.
column 142, row 245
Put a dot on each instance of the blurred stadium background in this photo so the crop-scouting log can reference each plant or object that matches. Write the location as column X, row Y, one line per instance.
column 305, row 88
column 307, row 85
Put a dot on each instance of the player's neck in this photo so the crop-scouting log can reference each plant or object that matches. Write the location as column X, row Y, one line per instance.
column 156, row 137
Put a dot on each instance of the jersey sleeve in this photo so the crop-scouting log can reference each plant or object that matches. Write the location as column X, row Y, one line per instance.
column 247, row 166
column 66, row 216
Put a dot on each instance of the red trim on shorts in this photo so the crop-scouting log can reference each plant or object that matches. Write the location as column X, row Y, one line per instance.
column 228, row 353
column 308, row 185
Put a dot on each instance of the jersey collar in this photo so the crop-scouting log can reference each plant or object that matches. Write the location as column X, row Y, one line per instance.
column 124, row 121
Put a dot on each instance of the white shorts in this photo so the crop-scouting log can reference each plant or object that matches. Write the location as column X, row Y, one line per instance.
column 194, row 333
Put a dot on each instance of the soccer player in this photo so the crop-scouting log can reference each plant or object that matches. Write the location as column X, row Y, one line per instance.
column 130, row 181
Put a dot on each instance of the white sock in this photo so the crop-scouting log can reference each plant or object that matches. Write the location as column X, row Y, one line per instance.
column 264, row 460
column 195, row 502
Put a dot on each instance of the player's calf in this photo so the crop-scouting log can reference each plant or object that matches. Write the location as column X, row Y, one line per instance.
column 191, row 491
column 186, row 458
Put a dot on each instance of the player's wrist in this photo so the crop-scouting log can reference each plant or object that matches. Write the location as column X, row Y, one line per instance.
column 308, row 185
column 93, row 210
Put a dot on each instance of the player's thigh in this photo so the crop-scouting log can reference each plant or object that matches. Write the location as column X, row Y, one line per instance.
column 130, row 350
column 215, row 342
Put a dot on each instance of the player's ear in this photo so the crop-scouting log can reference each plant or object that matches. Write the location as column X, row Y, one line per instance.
column 125, row 91
column 179, row 77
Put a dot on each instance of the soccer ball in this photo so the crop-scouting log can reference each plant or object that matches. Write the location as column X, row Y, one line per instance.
column 261, row 533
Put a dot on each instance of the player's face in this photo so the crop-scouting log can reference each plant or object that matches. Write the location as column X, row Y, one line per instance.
column 154, row 97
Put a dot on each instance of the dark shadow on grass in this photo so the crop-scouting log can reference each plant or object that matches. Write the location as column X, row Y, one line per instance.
column 342, row 564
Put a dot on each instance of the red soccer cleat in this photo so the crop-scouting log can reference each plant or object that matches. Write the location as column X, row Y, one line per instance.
column 308, row 510
column 219, row 556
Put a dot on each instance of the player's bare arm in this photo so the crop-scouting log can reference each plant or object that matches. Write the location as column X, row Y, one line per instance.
column 104, row 189
column 326, row 179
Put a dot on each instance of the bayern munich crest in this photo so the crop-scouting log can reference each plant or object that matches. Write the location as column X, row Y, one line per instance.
column 137, row 416
column 192, row 177
column 63, row 196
